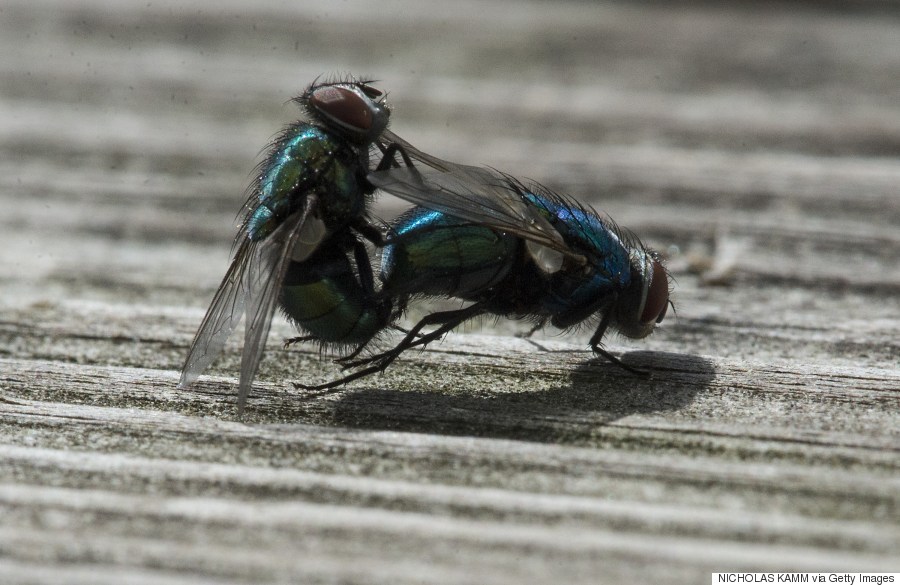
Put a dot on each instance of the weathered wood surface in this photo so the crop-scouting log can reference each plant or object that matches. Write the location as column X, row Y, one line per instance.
column 757, row 146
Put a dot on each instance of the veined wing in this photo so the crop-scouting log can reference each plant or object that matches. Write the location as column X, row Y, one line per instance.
column 222, row 316
column 252, row 285
column 477, row 194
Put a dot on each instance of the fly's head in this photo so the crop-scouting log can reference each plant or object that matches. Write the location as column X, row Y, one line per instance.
column 354, row 109
column 645, row 301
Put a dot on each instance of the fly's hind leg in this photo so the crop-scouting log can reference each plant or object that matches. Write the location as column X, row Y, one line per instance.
column 537, row 327
column 448, row 320
column 347, row 360
column 293, row 340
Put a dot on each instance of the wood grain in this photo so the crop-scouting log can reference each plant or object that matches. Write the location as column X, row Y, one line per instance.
column 756, row 146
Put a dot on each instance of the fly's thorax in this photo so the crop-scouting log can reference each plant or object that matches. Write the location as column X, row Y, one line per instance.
column 619, row 275
column 643, row 304
column 597, row 243
column 306, row 159
column 577, row 292
column 353, row 109
column 580, row 289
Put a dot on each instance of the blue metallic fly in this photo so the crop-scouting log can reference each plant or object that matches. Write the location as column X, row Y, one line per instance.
column 509, row 250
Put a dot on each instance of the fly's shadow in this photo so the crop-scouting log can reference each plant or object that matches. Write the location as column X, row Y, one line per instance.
column 596, row 393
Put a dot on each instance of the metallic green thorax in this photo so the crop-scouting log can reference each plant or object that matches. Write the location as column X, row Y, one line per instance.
column 306, row 160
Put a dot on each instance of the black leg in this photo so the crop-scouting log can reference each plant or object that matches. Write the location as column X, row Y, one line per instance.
column 289, row 342
column 388, row 159
column 349, row 358
column 385, row 156
column 370, row 231
column 367, row 282
column 352, row 354
column 447, row 320
column 620, row 363
column 364, row 269
column 595, row 346
column 537, row 327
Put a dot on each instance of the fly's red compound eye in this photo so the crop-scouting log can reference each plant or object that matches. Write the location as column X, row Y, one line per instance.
column 343, row 106
column 658, row 295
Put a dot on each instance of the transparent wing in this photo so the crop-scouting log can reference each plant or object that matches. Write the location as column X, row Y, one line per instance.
column 222, row 317
column 477, row 194
column 251, row 285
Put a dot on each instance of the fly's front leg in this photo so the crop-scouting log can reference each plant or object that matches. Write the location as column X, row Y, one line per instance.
column 370, row 231
column 597, row 348
column 388, row 160
column 367, row 282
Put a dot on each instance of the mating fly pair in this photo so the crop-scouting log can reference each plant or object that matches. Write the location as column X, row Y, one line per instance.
column 477, row 235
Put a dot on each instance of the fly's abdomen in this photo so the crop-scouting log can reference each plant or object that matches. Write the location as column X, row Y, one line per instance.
column 436, row 254
column 324, row 297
